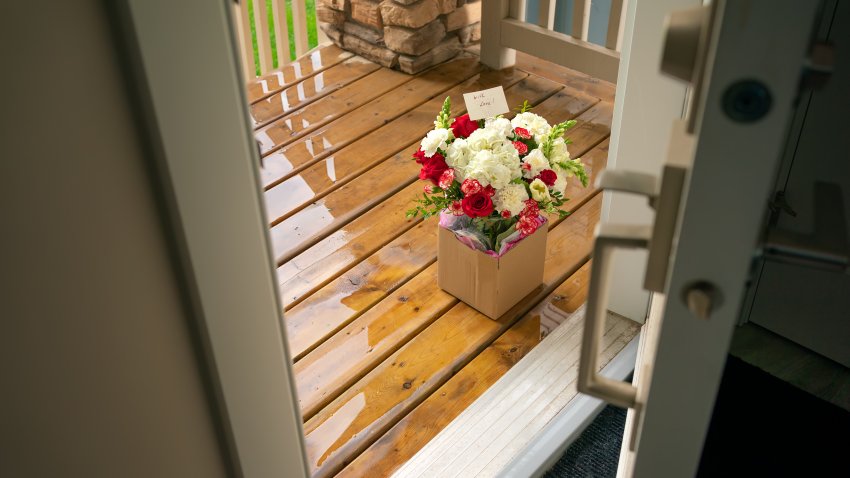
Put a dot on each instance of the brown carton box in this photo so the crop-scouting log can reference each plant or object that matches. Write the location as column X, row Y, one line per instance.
column 489, row 284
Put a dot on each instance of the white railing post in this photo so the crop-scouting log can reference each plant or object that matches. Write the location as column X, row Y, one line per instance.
column 493, row 54
column 546, row 14
column 299, row 26
column 243, row 31
column 281, row 31
column 261, row 27
column 581, row 18
column 616, row 23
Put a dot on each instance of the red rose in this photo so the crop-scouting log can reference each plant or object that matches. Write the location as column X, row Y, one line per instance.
column 462, row 126
column 447, row 178
column 522, row 133
column 433, row 167
column 548, row 177
column 521, row 147
column 477, row 205
column 470, row 186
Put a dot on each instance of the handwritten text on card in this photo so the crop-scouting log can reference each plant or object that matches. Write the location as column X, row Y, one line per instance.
column 486, row 103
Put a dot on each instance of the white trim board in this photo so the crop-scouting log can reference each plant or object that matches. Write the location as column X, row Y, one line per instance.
column 499, row 425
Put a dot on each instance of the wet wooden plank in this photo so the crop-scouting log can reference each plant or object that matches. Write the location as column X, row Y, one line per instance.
column 344, row 165
column 305, row 67
column 344, row 244
column 293, row 126
column 284, row 163
column 359, row 416
column 331, row 254
column 321, row 376
column 305, row 92
column 359, row 192
column 422, row 424
column 574, row 79
column 322, row 314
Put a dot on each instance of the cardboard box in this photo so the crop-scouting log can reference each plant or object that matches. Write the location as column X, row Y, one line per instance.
column 489, row 284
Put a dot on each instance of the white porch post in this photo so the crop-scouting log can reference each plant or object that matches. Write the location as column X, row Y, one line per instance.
column 645, row 106
column 493, row 54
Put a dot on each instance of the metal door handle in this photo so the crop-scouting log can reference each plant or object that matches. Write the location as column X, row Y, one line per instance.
column 664, row 198
column 608, row 238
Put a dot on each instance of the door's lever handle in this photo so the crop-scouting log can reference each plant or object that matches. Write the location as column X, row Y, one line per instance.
column 608, row 238
column 657, row 238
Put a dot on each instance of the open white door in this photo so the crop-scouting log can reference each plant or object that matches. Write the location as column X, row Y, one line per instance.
column 743, row 60
column 183, row 67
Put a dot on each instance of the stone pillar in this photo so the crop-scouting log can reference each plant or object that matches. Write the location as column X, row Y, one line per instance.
column 410, row 35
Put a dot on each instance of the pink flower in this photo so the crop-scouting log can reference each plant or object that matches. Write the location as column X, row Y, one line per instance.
column 526, row 166
column 456, row 208
column 527, row 225
column 470, row 186
column 522, row 133
column 521, row 147
column 447, row 178
column 532, row 209
column 429, row 189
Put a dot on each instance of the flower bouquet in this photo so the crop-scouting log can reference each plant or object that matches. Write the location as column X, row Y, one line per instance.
column 491, row 180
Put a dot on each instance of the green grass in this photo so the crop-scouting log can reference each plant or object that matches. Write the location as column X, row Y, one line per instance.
column 311, row 30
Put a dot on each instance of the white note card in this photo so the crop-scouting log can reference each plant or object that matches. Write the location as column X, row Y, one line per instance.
column 486, row 103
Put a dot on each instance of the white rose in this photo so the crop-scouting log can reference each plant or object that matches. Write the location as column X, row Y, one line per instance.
column 487, row 169
column 536, row 161
column 539, row 191
column 510, row 198
column 434, row 140
column 457, row 157
column 502, row 126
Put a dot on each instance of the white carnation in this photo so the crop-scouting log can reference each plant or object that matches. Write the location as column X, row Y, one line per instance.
column 483, row 138
column 536, row 162
column 457, row 157
column 488, row 169
column 535, row 124
column 502, row 126
column 434, row 140
column 510, row 198
column 539, row 191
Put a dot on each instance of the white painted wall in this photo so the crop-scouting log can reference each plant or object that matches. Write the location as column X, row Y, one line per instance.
column 646, row 105
column 98, row 373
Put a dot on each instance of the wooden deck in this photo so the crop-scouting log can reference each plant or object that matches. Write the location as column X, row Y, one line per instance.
column 383, row 358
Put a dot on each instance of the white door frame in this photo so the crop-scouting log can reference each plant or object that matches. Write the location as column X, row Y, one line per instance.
column 182, row 58
column 645, row 106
